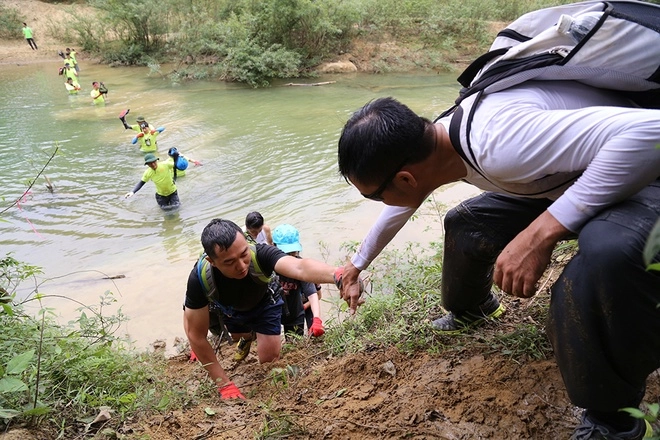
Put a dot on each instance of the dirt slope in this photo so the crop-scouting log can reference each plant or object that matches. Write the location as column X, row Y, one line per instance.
column 41, row 17
column 379, row 394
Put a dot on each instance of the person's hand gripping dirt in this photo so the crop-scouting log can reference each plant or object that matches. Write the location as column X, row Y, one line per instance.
column 229, row 391
column 351, row 287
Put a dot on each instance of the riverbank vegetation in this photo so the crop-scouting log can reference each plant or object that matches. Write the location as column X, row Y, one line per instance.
column 254, row 42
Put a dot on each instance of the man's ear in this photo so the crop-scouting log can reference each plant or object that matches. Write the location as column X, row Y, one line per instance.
column 207, row 258
column 406, row 178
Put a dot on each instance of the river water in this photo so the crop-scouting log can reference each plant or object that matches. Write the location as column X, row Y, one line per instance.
column 269, row 150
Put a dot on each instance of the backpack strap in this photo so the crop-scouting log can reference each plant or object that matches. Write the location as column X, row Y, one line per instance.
column 255, row 270
column 468, row 75
column 205, row 272
column 205, row 275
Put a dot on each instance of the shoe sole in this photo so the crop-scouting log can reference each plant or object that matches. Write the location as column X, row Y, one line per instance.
column 476, row 323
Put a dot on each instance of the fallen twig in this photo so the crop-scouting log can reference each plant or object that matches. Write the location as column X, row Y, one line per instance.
column 311, row 84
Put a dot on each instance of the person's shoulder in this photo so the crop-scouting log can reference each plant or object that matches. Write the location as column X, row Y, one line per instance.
column 269, row 253
column 266, row 248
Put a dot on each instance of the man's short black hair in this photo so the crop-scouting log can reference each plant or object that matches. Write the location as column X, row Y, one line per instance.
column 254, row 220
column 219, row 234
column 381, row 136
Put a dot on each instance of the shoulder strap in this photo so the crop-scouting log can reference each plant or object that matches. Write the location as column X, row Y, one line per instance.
column 205, row 272
column 255, row 271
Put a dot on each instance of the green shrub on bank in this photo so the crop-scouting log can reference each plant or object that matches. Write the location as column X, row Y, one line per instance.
column 68, row 373
column 254, row 42
column 11, row 22
column 402, row 293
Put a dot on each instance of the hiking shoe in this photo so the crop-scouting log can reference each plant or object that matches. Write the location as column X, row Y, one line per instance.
column 589, row 429
column 454, row 323
column 243, row 348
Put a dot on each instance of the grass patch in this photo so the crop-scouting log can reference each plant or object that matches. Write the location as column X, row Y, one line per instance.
column 64, row 375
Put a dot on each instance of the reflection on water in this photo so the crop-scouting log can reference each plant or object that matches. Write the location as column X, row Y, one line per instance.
column 271, row 150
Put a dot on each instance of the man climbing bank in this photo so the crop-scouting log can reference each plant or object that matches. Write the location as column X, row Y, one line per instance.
column 232, row 281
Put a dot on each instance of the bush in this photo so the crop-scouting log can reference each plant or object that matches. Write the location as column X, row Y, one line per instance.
column 65, row 373
column 251, row 64
column 10, row 23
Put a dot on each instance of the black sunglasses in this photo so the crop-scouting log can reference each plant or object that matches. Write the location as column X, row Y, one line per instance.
column 377, row 196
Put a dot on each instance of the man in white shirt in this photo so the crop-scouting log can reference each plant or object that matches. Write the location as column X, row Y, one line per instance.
column 556, row 159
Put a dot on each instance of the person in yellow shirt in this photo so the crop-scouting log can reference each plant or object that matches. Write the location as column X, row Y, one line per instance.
column 147, row 138
column 72, row 54
column 162, row 176
column 71, row 87
column 27, row 33
column 68, row 72
column 98, row 93
column 180, row 162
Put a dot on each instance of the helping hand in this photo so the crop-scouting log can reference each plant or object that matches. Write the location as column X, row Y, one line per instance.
column 316, row 329
column 230, row 391
column 129, row 194
column 350, row 285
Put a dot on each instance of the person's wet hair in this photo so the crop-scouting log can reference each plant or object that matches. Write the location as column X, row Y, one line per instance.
column 219, row 234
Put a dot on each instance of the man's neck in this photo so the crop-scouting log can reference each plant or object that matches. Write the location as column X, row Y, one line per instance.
column 447, row 165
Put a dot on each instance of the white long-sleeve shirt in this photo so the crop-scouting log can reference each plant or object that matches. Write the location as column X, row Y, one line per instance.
column 528, row 138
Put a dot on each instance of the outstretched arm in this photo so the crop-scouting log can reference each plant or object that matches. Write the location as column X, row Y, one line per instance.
column 269, row 235
column 305, row 269
column 135, row 189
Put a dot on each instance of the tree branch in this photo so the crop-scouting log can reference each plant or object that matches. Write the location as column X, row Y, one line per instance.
column 32, row 182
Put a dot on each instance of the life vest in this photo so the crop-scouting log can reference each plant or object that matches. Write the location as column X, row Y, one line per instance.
column 205, row 274
column 620, row 51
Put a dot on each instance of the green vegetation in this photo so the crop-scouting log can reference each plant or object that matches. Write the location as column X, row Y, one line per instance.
column 254, row 42
column 11, row 22
column 404, row 293
column 64, row 374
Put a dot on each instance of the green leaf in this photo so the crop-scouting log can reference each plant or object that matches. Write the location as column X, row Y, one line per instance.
column 209, row 411
column 6, row 413
column 163, row 403
column 652, row 244
column 38, row 411
column 11, row 385
column 19, row 363
column 634, row 412
column 128, row 398
column 654, row 266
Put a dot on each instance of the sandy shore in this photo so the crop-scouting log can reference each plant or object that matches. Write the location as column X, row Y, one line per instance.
column 41, row 17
